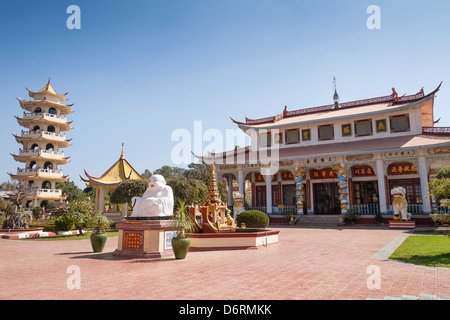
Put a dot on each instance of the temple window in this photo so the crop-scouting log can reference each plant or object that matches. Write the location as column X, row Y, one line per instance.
column 326, row 132
column 399, row 123
column 292, row 136
column 363, row 128
column 265, row 139
column 52, row 111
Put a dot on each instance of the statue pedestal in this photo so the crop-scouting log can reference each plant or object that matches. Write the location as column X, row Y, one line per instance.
column 402, row 224
column 145, row 238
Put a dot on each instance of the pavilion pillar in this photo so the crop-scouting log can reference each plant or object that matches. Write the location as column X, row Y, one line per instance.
column 101, row 200
column 241, row 181
column 268, row 179
column 230, row 190
column 423, row 173
column 123, row 209
column 381, row 187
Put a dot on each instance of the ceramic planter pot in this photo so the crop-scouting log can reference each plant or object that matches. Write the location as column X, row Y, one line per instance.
column 180, row 247
column 98, row 241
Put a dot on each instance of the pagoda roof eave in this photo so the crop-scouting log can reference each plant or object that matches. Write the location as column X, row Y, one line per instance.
column 47, row 89
column 114, row 175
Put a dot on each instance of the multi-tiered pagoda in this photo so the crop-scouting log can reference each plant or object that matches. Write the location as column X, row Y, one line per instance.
column 43, row 139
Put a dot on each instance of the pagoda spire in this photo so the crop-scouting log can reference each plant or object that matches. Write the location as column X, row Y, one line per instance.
column 213, row 191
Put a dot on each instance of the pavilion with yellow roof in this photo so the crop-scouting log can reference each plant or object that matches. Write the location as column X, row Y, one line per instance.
column 121, row 170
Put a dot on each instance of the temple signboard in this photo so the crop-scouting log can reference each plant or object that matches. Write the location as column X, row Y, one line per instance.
column 363, row 171
column 401, row 168
column 322, row 174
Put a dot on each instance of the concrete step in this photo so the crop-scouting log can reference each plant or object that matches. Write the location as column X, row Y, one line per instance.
column 318, row 220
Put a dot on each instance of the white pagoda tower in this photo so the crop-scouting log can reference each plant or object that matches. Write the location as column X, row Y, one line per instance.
column 42, row 142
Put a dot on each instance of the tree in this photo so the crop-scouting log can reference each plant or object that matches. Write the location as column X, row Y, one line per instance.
column 72, row 191
column 169, row 172
column 128, row 189
column 147, row 174
column 19, row 190
column 189, row 191
column 440, row 187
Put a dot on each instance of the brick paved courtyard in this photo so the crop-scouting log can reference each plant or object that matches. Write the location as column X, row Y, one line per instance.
column 307, row 263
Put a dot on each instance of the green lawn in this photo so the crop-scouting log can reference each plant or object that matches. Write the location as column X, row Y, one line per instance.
column 86, row 235
column 432, row 251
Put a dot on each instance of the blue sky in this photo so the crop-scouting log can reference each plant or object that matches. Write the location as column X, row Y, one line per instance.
column 138, row 70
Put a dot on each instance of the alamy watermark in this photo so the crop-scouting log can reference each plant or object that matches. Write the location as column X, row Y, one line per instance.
column 374, row 20
column 263, row 147
column 74, row 20
column 74, row 280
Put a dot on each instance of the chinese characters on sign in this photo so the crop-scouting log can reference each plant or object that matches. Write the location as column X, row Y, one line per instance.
column 287, row 176
column 322, row 174
column 381, row 125
column 306, row 134
column 346, row 130
column 399, row 154
column 319, row 160
column 401, row 168
column 132, row 240
column 363, row 171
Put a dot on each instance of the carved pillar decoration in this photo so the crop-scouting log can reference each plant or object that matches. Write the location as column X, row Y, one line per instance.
column 308, row 191
column 253, row 194
column 299, row 175
column 350, row 191
column 280, row 193
column 386, row 189
column 343, row 187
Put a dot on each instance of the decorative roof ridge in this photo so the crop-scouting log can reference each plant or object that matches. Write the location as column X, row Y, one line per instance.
column 392, row 98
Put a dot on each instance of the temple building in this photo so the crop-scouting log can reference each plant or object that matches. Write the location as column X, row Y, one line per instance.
column 329, row 159
column 45, row 121
column 121, row 170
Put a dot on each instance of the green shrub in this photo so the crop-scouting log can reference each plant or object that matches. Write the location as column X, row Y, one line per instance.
column 441, row 218
column 37, row 212
column 253, row 219
column 64, row 223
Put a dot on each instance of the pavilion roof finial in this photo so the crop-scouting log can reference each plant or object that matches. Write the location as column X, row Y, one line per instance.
column 335, row 96
column 121, row 155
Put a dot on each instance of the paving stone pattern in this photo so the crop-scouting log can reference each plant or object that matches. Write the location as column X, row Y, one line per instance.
column 307, row 263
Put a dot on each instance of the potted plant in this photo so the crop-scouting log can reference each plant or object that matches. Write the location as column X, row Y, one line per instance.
column 378, row 218
column 352, row 216
column 98, row 238
column 181, row 242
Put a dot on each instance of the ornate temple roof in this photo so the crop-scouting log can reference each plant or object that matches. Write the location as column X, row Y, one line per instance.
column 388, row 103
column 121, row 170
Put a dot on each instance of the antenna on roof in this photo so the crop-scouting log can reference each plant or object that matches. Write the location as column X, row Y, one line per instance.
column 335, row 96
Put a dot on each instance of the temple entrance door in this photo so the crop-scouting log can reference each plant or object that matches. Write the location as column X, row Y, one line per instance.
column 326, row 198
column 260, row 196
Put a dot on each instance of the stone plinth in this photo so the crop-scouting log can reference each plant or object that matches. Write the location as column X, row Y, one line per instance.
column 402, row 224
column 145, row 238
column 244, row 239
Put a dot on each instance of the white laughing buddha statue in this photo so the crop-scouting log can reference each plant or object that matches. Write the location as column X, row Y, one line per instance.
column 157, row 201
